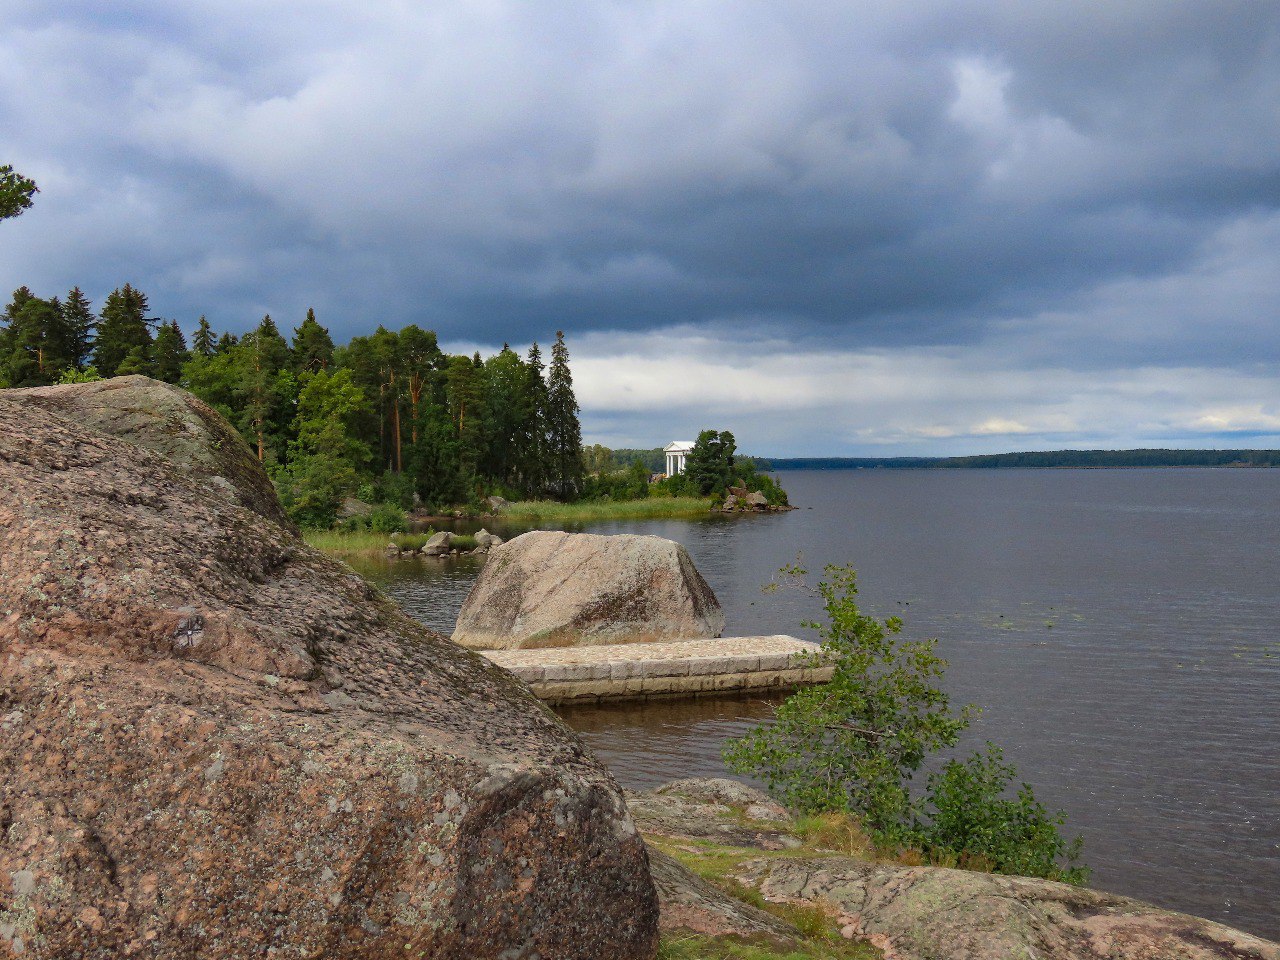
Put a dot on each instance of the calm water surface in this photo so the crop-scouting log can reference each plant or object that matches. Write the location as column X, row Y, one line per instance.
column 1119, row 628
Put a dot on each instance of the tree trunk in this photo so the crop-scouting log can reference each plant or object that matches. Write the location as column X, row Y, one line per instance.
column 399, row 462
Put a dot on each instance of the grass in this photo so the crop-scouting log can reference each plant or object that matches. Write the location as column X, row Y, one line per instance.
column 346, row 541
column 649, row 508
column 351, row 542
column 714, row 862
column 730, row 948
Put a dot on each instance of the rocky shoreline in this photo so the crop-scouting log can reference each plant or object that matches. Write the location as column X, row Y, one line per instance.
column 216, row 742
column 718, row 846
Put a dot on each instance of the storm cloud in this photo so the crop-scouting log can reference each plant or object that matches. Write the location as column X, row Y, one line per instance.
column 833, row 228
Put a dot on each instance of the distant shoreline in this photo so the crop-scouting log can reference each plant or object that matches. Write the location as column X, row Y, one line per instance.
column 1048, row 459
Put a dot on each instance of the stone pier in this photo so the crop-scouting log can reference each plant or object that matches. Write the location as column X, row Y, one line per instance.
column 637, row 671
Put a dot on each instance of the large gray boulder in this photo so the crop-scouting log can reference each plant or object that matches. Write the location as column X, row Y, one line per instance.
column 216, row 742
column 552, row 589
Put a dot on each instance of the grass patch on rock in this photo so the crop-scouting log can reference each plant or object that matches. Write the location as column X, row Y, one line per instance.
column 731, row 948
column 716, row 863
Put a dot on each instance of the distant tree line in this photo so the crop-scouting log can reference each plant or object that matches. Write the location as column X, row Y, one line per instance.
column 1098, row 459
column 389, row 416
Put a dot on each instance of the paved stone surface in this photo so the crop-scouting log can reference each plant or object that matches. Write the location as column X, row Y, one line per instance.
column 673, row 668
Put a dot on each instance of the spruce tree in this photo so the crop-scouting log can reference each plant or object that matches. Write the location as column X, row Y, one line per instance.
column 564, row 433
column 80, row 321
column 226, row 343
column 122, row 330
column 535, row 469
column 312, row 345
column 136, row 361
column 169, row 353
column 203, row 343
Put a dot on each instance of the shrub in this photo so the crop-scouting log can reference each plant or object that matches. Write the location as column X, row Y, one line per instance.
column 970, row 815
column 852, row 745
column 386, row 518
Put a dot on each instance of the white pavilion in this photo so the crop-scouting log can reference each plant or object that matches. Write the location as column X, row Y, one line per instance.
column 676, row 452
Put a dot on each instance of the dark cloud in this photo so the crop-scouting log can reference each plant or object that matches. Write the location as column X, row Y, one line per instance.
column 1095, row 186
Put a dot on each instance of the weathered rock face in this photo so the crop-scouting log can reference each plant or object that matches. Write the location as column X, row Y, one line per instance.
column 192, row 437
column 911, row 913
column 552, row 589
column 216, row 743
column 928, row 912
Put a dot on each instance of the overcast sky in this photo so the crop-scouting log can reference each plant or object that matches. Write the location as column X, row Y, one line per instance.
column 833, row 228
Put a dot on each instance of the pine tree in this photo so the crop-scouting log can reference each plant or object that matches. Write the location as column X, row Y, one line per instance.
column 80, row 321
column 122, row 330
column 9, row 318
column 16, row 192
column 169, row 353
column 564, row 433
column 39, row 344
column 312, row 345
column 226, row 343
column 203, row 343
column 420, row 358
column 262, row 356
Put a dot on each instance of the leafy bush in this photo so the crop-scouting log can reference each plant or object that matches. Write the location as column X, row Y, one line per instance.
column 88, row 375
column 852, row 745
column 386, row 518
column 969, row 814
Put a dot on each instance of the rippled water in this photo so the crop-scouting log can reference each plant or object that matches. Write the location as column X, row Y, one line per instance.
column 1118, row 627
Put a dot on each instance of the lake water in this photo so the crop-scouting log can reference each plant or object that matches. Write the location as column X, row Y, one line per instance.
column 1121, row 630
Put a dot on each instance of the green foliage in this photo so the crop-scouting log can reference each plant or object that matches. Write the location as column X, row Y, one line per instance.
column 124, row 333
column 411, row 541
column 629, row 484
column 37, row 343
column 853, row 744
column 16, row 192
column 325, row 458
column 169, row 353
column 553, row 511
column 564, row 435
column 312, row 348
column 387, row 518
column 88, row 375
column 970, row 814
column 709, row 466
column 389, row 410
column 203, row 343
column 698, row 947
